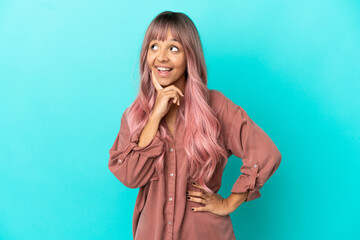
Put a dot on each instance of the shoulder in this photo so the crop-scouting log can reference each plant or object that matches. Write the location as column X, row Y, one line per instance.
column 216, row 94
column 227, row 111
column 124, row 116
column 216, row 100
column 222, row 104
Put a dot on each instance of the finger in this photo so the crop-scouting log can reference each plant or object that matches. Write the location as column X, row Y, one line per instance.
column 155, row 82
column 197, row 194
column 196, row 199
column 203, row 190
column 171, row 98
column 199, row 209
column 176, row 101
column 171, row 94
column 172, row 87
column 197, row 186
column 175, row 96
column 165, row 91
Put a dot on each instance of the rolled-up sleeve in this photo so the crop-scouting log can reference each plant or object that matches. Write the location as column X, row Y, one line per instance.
column 260, row 156
column 133, row 165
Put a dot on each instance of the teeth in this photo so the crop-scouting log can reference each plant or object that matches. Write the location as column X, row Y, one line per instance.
column 164, row 69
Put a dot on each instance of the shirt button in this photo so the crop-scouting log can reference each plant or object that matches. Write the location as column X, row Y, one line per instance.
column 119, row 160
column 169, row 222
column 171, row 174
column 255, row 166
column 170, row 199
column 171, row 149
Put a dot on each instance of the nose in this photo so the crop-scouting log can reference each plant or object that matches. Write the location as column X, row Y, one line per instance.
column 162, row 56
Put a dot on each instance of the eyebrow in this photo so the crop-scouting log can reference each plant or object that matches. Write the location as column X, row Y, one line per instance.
column 173, row 39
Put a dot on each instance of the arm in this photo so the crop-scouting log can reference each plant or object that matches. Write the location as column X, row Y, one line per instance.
column 149, row 131
column 133, row 163
column 235, row 200
column 259, row 154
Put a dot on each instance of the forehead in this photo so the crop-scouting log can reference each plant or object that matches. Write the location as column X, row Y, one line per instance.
column 161, row 36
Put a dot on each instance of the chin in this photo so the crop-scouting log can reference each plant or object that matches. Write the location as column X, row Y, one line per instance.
column 164, row 82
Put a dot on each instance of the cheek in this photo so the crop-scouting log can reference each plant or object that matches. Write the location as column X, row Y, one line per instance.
column 181, row 63
column 149, row 63
column 149, row 58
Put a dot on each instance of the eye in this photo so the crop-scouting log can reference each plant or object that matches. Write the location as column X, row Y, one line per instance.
column 152, row 46
column 177, row 49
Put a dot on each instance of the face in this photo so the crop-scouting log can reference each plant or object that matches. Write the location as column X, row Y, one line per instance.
column 170, row 57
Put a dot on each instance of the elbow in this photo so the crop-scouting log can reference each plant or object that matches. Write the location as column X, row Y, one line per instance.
column 278, row 158
column 130, row 184
column 123, row 177
column 275, row 160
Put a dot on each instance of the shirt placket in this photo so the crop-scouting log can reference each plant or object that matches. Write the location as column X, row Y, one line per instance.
column 171, row 191
column 171, row 173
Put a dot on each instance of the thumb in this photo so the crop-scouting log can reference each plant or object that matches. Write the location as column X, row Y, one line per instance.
column 155, row 82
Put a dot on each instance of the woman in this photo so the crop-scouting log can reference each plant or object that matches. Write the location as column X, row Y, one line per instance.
column 176, row 137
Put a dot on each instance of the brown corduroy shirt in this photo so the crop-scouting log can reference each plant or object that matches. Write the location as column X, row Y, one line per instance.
column 162, row 211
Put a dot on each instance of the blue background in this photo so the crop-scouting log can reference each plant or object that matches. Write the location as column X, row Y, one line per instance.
column 69, row 69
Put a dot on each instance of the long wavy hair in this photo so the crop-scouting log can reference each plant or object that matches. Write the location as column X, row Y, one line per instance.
column 202, row 129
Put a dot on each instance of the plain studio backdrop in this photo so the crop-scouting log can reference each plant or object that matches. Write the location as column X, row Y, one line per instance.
column 68, row 70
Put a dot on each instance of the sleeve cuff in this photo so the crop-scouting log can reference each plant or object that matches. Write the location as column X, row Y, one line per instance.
column 253, row 193
column 247, row 183
column 152, row 149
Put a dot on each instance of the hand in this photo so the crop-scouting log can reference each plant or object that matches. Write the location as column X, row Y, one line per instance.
column 214, row 203
column 164, row 95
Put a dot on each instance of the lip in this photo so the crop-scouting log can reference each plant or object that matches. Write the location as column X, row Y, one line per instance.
column 162, row 66
column 163, row 74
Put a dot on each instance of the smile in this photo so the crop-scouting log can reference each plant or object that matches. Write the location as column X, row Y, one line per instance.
column 164, row 71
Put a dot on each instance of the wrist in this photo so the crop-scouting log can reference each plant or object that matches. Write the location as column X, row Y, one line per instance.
column 154, row 118
column 235, row 200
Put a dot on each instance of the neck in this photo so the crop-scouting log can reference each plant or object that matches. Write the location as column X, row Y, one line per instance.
column 180, row 83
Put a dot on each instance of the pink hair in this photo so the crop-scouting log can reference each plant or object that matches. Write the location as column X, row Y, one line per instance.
column 202, row 128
